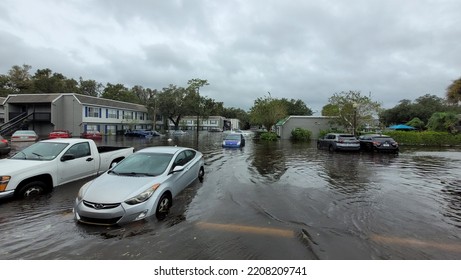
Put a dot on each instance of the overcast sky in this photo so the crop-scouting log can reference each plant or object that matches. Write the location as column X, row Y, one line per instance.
column 300, row 49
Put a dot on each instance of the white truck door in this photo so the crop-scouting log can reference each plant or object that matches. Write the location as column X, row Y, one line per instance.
column 80, row 165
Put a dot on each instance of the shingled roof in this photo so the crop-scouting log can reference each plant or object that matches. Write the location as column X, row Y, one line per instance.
column 84, row 99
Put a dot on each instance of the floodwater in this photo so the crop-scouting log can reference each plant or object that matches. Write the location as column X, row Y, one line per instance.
column 265, row 201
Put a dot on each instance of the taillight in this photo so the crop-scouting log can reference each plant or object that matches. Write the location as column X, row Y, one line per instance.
column 5, row 141
column 376, row 143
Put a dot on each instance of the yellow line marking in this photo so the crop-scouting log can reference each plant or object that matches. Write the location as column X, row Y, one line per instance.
column 248, row 229
column 409, row 242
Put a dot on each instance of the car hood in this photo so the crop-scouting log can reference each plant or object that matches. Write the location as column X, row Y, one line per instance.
column 111, row 188
column 12, row 166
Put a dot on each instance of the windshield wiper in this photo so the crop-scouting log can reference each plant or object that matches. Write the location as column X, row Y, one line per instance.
column 135, row 174
column 38, row 155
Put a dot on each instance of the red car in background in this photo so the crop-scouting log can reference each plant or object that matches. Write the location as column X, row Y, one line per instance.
column 59, row 133
column 92, row 134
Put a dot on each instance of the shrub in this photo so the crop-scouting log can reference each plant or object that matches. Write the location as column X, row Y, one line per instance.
column 299, row 134
column 429, row 138
column 269, row 136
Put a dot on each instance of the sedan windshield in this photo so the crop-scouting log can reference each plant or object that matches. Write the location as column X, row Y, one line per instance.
column 383, row 139
column 233, row 137
column 143, row 164
column 41, row 151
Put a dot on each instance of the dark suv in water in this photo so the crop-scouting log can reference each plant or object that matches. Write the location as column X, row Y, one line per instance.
column 378, row 142
column 338, row 142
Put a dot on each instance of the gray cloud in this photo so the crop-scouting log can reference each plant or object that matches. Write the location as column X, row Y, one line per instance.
column 305, row 50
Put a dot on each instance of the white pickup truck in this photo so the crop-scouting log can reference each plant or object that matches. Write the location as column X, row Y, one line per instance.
column 46, row 164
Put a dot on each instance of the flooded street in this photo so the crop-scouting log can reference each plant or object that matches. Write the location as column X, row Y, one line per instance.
column 278, row 200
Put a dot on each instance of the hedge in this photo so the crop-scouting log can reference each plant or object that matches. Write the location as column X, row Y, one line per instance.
column 427, row 138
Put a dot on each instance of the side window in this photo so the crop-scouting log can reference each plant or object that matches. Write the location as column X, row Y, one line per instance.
column 180, row 159
column 79, row 150
column 189, row 155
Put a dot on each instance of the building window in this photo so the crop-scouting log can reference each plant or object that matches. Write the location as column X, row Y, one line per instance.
column 111, row 113
column 91, row 127
column 93, row 112
column 213, row 122
column 127, row 115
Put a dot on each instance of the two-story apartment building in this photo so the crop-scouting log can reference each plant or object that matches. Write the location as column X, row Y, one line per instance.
column 74, row 112
column 190, row 123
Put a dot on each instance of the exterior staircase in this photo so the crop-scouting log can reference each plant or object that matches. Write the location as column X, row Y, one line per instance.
column 14, row 124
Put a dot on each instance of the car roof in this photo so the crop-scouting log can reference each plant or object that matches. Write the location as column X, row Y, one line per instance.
column 66, row 140
column 24, row 131
column 376, row 135
column 342, row 134
column 163, row 149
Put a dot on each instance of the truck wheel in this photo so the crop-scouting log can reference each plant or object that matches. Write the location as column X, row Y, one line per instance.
column 33, row 188
column 331, row 148
column 163, row 207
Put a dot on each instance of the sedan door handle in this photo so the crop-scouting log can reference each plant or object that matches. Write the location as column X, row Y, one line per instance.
column 89, row 159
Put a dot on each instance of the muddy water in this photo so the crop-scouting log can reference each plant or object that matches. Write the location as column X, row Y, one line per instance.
column 266, row 201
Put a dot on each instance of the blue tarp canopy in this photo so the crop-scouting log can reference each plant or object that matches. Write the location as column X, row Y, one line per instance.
column 401, row 127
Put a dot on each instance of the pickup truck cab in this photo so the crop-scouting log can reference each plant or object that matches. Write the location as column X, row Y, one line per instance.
column 47, row 164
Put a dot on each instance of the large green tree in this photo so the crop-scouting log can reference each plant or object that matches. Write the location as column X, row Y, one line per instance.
column 198, row 105
column 119, row 92
column 443, row 121
column 354, row 109
column 45, row 81
column 18, row 80
column 237, row 113
column 453, row 92
column 267, row 111
column 296, row 107
column 172, row 103
column 89, row 87
column 423, row 107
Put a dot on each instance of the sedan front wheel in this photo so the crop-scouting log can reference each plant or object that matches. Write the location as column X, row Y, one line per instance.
column 163, row 207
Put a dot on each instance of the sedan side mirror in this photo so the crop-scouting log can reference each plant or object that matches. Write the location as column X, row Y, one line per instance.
column 178, row 168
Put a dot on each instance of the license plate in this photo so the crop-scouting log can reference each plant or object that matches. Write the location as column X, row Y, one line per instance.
column 386, row 145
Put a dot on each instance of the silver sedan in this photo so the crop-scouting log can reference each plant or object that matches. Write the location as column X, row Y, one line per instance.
column 140, row 186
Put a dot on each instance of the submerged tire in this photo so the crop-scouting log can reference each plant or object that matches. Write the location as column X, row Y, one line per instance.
column 31, row 189
column 201, row 173
column 163, row 207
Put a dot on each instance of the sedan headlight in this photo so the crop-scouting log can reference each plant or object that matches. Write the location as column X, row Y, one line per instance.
column 145, row 195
